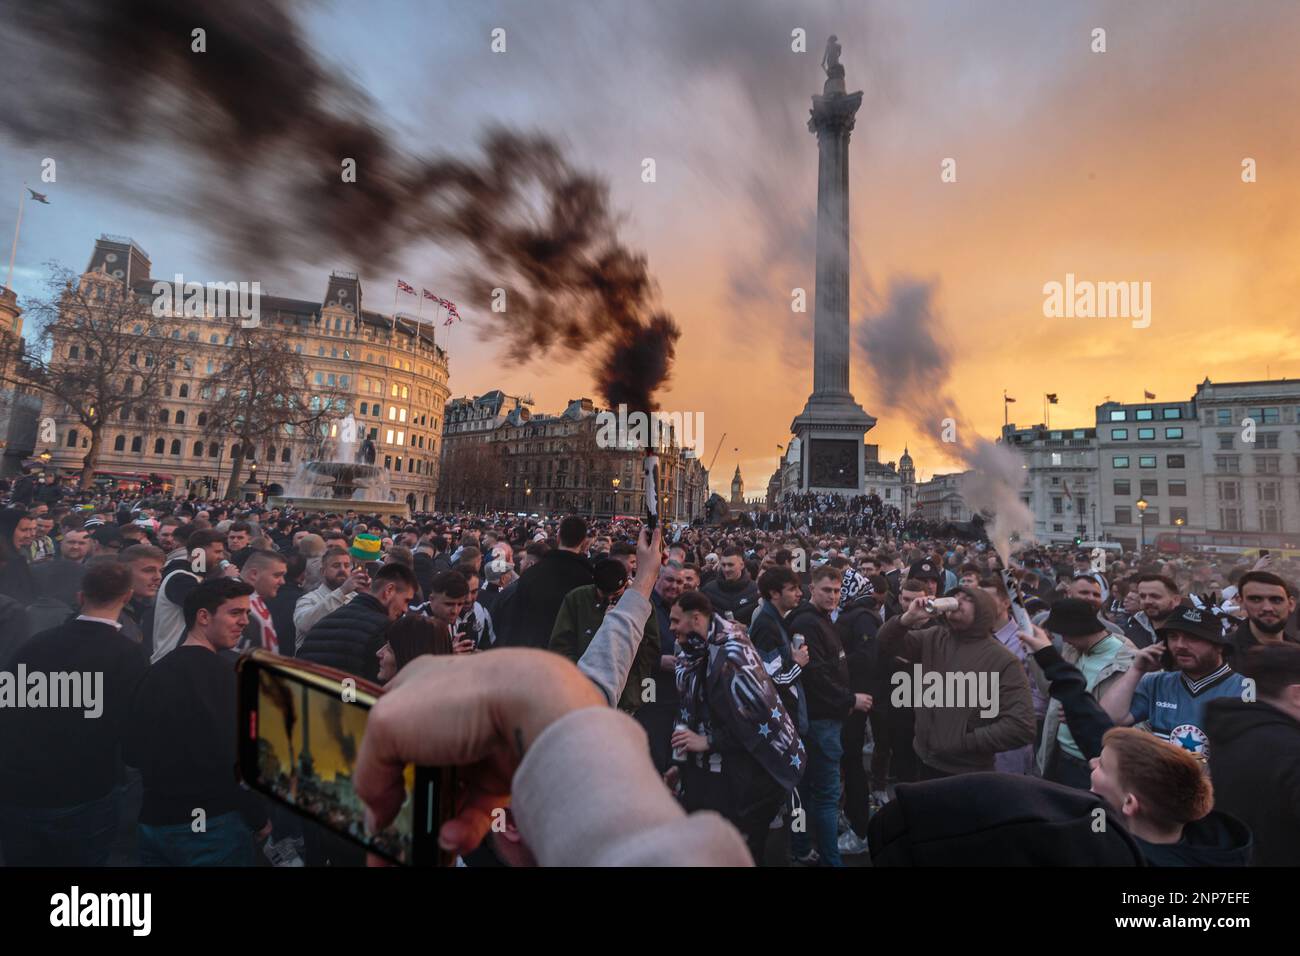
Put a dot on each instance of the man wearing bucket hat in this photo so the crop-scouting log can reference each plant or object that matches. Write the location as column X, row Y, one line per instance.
column 1192, row 647
column 1102, row 657
column 366, row 547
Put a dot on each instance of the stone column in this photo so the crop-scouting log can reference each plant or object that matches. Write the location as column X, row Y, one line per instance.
column 832, row 120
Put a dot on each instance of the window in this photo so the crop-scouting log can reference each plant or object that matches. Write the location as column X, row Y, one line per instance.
column 389, row 439
column 1268, row 464
column 213, row 451
column 72, row 438
column 1152, row 516
column 1229, row 519
column 401, row 438
column 1270, row 491
column 1227, row 463
column 1264, row 416
column 329, row 379
column 1175, row 461
column 162, row 416
column 203, row 419
column 284, row 455
column 176, row 446
column 406, row 392
column 1144, row 414
column 119, row 443
column 343, row 381
column 1223, row 416
column 1229, row 491
column 198, row 449
column 136, row 442
column 1268, row 520
column 1119, row 461
column 1176, row 513
column 74, row 351
column 1147, row 461
column 401, row 415
column 394, row 390
column 1169, row 414
column 1226, row 440
column 365, row 408
column 1146, row 434
column 392, row 413
column 1122, row 487
column 388, row 462
column 321, row 351
column 180, row 417
column 1123, row 515
column 1173, row 433
column 320, row 378
column 185, row 391
column 1266, row 440
column 1177, row 489
column 1149, row 486
column 1057, row 506
column 1120, row 416
column 1080, row 433
column 1119, row 434
column 158, row 446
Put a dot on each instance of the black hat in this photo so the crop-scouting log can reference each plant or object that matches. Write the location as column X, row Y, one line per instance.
column 924, row 570
column 107, row 536
column 609, row 575
column 1073, row 617
column 1198, row 622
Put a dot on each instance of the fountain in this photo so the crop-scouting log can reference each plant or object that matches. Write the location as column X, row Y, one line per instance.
column 343, row 476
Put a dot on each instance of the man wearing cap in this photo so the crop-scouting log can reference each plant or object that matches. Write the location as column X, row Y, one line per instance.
column 1171, row 703
column 1102, row 657
column 583, row 611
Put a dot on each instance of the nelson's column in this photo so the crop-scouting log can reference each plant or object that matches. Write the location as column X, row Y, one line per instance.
column 832, row 425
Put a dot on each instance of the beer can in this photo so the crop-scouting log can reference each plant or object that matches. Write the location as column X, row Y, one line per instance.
column 679, row 753
column 940, row 605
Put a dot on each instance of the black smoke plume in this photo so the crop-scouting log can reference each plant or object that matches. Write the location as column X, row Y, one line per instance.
column 265, row 125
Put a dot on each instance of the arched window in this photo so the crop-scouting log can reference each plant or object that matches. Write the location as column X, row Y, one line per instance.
column 234, row 449
column 119, row 443
column 176, row 446
column 185, row 391
column 74, row 351
column 212, row 450
column 198, row 449
column 135, row 444
column 167, row 390
column 270, row 453
column 203, row 419
column 158, row 446
column 139, row 414
column 162, row 416
column 284, row 455
column 212, row 340
column 180, row 417
column 72, row 438
column 365, row 408
column 193, row 337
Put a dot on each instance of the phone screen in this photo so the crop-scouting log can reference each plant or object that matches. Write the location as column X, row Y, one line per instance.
column 301, row 733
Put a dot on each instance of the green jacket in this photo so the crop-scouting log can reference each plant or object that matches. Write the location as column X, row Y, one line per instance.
column 581, row 614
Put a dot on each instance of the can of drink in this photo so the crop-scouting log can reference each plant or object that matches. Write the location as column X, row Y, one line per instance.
column 940, row 605
column 797, row 641
column 679, row 753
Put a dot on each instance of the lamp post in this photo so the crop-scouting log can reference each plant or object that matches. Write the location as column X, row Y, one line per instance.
column 1178, row 523
column 1142, row 505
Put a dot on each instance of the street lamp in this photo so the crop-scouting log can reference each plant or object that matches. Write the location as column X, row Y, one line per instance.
column 1142, row 505
column 1178, row 523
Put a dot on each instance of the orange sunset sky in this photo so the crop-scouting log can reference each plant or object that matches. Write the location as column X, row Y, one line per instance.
column 1117, row 166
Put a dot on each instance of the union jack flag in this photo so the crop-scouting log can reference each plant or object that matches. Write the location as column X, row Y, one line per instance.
column 452, row 314
column 430, row 296
column 405, row 287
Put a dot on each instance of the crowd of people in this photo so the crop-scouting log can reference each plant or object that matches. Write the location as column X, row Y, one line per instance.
column 794, row 677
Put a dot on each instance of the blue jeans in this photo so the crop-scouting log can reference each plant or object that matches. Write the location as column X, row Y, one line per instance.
column 81, row 835
column 227, row 842
column 820, row 791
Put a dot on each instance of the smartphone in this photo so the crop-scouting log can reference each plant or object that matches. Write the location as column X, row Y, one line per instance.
column 300, row 729
column 1263, row 552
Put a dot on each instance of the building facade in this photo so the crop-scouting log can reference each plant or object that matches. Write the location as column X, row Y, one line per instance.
column 1061, row 480
column 940, row 499
column 390, row 373
column 541, row 463
column 1250, row 456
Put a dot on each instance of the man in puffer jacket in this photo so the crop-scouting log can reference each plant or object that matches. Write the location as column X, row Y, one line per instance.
column 350, row 638
column 733, row 590
column 960, row 651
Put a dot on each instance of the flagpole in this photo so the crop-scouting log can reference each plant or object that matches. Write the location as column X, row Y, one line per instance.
column 13, row 251
column 1005, row 419
column 394, row 308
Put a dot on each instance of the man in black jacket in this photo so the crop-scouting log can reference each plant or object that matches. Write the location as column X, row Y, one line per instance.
column 350, row 638
column 1255, row 754
column 733, row 591
column 826, row 682
column 58, row 762
column 857, row 624
column 527, row 618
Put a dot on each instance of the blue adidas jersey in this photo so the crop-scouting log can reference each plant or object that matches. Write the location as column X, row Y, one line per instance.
column 1175, row 707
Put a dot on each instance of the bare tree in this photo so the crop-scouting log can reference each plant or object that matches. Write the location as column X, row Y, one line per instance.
column 472, row 476
column 100, row 351
column 262, row 394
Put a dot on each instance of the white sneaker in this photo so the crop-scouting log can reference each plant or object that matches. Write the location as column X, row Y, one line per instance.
column 851, row 844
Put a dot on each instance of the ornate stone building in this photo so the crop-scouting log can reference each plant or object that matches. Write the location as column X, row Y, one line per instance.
column 391, row 374
column 551, row 463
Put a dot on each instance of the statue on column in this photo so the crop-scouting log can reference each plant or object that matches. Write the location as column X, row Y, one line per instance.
column 831, row 59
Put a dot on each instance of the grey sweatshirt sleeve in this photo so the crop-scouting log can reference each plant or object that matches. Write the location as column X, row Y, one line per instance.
column 587, row 794
column 609, row 656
